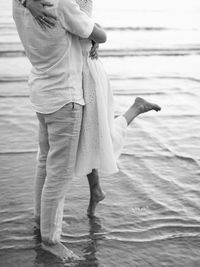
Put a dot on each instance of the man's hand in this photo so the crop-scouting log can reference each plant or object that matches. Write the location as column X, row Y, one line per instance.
column 44, row 18
column 94, row 51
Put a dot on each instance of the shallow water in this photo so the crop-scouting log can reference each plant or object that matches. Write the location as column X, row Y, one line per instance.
column 151, row 214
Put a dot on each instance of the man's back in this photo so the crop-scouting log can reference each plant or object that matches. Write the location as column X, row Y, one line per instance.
column 56, row 76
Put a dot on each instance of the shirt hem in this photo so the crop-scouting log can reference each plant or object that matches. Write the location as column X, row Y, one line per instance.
column 54, row 110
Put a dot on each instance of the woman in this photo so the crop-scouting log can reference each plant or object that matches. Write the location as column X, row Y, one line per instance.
column 102, row 136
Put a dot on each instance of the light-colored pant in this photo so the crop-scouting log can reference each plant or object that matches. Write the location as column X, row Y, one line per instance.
column 58, row 143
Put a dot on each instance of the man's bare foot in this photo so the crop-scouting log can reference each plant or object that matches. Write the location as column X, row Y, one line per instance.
column 139, row 106
column 96, row 196
column 60, row 251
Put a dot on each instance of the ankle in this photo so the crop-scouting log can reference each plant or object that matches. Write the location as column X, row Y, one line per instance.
column 131, row 114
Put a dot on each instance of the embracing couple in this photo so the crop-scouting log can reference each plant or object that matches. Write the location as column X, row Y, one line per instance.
column 71, row 95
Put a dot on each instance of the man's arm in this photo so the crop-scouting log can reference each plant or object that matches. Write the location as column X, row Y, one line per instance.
column 98, row 35
column 74, row 20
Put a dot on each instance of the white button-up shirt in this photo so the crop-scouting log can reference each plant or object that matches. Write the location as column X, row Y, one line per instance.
column 55, row 54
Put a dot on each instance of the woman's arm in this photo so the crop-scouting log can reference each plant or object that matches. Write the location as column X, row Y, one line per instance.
column 46, row 20
column 37, row 9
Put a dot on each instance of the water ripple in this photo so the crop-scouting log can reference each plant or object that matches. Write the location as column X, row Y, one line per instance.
column 155, row 238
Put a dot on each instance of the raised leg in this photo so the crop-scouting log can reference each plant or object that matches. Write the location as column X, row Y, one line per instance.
column 96, row 193
column 139, row 106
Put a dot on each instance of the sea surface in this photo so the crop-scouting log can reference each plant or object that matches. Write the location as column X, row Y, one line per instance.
column 151, row 214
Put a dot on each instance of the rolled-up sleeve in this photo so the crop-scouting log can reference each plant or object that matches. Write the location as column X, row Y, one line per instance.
column 73, row 19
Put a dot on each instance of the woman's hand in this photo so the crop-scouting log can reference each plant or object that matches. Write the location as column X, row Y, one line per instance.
column 43, row 17
column 94, row 50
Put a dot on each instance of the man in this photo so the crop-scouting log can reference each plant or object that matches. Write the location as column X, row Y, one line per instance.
column 57, row 97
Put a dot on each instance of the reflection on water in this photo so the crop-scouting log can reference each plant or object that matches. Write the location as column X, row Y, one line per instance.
column 95, row 236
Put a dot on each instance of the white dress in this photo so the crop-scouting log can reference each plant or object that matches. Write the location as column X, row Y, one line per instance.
column 102, row 136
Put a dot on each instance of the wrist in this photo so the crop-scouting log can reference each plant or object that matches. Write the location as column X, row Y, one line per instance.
column 23, row 2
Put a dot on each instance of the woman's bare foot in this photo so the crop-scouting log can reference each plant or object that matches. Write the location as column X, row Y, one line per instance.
column 60, row 251
column 140, row 106
column 96, row 196
column 145, row 106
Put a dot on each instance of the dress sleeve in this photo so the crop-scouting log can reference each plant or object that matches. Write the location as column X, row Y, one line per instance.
column 73, row 19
